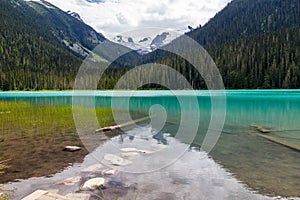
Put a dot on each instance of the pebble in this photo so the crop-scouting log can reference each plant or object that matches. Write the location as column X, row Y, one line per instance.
column 71, row 148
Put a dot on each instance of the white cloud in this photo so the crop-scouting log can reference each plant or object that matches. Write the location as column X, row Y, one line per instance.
column 112, row 17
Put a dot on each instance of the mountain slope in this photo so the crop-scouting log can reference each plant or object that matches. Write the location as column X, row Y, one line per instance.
column 42, row 47
column 255, row 44
column 242, row 18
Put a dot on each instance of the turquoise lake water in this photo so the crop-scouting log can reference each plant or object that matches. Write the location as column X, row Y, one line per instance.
column 261, row 164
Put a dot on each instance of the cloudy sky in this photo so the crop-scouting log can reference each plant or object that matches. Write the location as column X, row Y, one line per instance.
column 112, row 17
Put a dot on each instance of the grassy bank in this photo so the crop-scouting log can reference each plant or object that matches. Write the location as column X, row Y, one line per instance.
column 35, row 119
column 32, row 137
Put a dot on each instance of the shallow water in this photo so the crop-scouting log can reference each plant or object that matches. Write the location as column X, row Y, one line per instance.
column 200, row 179
column 266, row 167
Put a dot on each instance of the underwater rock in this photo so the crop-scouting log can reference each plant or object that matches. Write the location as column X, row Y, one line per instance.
column 93, row 168
column 109, row 172
column 71, row 148
column 129, row 149
column 116, row 160
column 129, row 154
column 70, row 181
column 146, row 151
column 93, row 183
column 79, row 196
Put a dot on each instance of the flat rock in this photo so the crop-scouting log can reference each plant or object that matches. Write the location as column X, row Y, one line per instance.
column 109, row 172
column 116, row 160
column 72, row 148
column 79, row 196
column 93, row 168
column 129, row 149
column 129, row 154
column 146, row 151
column 70, row 181
column 93, row 183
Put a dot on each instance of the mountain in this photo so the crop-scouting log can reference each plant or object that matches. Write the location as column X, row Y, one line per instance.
column 243, row 18
column 145, row 44
column 254, row 43
column 42, row 47
column 67, row 27
column 74, row 14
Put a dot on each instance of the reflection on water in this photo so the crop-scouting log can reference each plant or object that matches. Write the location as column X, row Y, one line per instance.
column 263, row 165
column 193, row 176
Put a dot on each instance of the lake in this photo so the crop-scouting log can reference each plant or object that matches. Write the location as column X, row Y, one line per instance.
column 241, row 163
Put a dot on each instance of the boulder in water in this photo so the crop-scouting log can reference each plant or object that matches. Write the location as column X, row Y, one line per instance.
column 93, row 183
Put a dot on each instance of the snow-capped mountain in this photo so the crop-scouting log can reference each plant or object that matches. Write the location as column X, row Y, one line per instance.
column 147, row 43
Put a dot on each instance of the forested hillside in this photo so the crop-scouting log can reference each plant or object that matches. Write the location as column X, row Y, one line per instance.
column 254, row 43
column 42, row 47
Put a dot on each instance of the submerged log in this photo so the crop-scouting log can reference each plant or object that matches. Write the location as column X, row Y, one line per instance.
column 274, row 139
column 263, row 130
column 281, row 142
column 111, row 128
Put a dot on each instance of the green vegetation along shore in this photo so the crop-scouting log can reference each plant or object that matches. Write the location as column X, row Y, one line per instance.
column 34, row 135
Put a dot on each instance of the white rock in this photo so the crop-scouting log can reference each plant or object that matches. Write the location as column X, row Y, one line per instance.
column 129, row 154
column 146, row 151
column 71, row 148
column 79, row 196
column 116, row 160
column 129, row 150
column 54, row 191
column 93, row 168
column 93, row 184
column 109, row 172
column 70, row 181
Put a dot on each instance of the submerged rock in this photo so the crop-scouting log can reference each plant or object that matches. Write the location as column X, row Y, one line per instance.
column 79, row 196
column 116, row 160
column 70, row 181
column 71, row 148
column 93, row 168
column 129, row 149
column 109, row 172
column 93, row 183
column 129, row 154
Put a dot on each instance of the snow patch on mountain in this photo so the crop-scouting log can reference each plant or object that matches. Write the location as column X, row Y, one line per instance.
column 75, row 15
column 146, row 43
